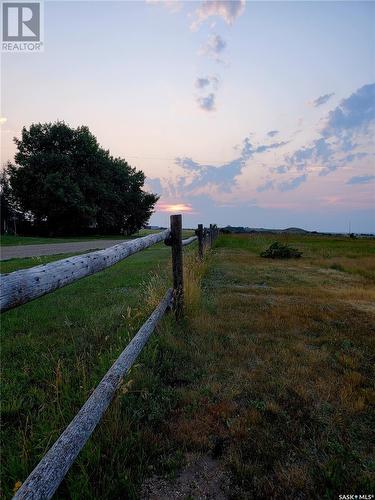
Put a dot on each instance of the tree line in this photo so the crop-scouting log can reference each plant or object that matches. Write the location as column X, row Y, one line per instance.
column 64, row 183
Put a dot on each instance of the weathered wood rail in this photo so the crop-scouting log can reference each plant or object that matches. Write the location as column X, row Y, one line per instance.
column 22, row 286
column 51, row 470
column 189, row 240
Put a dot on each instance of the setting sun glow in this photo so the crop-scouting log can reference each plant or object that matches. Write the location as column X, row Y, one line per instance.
column 178, row 207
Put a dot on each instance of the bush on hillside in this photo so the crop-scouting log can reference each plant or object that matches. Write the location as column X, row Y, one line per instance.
column 280, row 251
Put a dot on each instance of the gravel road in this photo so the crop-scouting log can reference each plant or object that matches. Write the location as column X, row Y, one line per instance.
column 19, row 251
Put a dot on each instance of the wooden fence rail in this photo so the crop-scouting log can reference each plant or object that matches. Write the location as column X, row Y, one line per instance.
column 189, row 240
column 22, row 286
column 25, row 285
column 51, row 470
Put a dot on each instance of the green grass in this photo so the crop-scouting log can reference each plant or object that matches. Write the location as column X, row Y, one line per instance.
column 55, row 350
column 10, row 265
column 356, row 256
column 312, row 246
column 270, row 373
column 8, row 240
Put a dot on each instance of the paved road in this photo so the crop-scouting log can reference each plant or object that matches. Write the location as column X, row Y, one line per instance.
column 19, row 251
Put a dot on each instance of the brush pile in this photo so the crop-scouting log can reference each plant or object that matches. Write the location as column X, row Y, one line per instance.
column 279, row 251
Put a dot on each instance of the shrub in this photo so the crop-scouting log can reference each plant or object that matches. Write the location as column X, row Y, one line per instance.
column 279, row 251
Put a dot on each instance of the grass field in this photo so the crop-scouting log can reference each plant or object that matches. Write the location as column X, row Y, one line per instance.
column 9, row 240
column 270, row 376
column 9, row 265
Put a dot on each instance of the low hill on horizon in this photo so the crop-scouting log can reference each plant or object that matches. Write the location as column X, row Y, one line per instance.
column 241, row 229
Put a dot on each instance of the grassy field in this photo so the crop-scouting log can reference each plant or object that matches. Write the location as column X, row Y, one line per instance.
column 9, row 265
column 270, row 377
column 9, row 240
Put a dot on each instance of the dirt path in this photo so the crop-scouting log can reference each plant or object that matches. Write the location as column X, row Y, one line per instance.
column 20, row 251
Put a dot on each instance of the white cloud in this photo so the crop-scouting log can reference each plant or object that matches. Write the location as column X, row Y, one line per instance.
column 214, row 47
column 322, row 100
column 346, row 128
column 207, row 103
column 228, row 10
column 204, row 82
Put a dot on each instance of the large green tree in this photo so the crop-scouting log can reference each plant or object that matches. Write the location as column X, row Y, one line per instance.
column 63, row 179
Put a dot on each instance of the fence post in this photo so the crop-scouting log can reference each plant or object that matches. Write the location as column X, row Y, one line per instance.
column 177, row 265
column 200, row 241
column 211, row 235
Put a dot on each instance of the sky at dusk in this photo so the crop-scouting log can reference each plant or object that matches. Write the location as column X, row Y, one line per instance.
column 259, row 114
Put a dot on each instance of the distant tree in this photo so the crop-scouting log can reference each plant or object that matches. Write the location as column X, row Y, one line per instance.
column 10, row 214
column 66, row 181
column 5, row 204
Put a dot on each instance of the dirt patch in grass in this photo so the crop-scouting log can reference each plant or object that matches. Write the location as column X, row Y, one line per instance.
column 202, row 477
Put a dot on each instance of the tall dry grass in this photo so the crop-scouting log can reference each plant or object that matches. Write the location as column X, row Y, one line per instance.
column 156, row 284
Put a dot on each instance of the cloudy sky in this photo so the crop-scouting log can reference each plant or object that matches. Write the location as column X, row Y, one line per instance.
column 241, row 113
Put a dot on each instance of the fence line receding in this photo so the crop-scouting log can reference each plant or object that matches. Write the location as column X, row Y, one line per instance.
column 23, row 286
column 20, row 287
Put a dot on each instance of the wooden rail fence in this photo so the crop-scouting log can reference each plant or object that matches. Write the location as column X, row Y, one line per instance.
column 20, row 287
